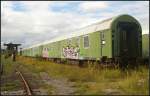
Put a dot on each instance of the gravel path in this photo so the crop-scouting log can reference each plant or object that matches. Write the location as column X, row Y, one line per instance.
column 61, row 86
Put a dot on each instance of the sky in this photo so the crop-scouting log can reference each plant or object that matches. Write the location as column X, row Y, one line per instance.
column 33, row 22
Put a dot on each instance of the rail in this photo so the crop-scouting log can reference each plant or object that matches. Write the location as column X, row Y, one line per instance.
column 26, row 85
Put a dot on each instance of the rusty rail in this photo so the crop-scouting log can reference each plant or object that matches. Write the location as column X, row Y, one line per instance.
column 26, row 85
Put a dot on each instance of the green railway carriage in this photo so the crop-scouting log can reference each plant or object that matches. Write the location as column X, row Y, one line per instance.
column 120, row 36
column 145, row 45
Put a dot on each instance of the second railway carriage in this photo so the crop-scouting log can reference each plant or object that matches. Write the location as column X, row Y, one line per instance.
column 117, row 37
column 145, row 46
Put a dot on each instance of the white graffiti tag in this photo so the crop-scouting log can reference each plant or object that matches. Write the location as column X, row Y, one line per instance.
column 71, row 52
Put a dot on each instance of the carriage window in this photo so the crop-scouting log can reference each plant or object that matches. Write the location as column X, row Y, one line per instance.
column 86, row 41
column 69, row 41
column 102, row 35
column 112, row 35
column 78, row 41
column 44, row 49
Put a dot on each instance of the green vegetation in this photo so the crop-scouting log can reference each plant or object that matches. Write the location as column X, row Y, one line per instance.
column 11, row 82
column 10, row 86
column 92, row 80
column 88, row 81
column 48, row 88
column 8, row 77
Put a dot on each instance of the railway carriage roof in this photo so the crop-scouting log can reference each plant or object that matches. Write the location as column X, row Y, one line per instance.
column 105, row 24
column 102, row 25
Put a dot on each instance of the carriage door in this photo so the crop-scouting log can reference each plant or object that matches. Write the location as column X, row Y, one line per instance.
column 124, row 39
column 128, row 39
column 124, row 48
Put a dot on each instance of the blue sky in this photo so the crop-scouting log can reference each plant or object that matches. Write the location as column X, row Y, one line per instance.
column 31, row 22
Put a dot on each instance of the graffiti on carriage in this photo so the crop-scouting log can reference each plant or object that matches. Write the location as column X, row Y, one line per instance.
column 45, row 52
column 71, row 52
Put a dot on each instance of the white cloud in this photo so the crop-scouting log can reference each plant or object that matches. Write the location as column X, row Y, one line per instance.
column 37, row 23
column 36, row 6
column 91, row 6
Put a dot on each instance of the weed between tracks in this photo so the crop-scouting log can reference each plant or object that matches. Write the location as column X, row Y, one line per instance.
column 91, row 80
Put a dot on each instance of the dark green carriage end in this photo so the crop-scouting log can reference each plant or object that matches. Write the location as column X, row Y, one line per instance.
column 126, row 37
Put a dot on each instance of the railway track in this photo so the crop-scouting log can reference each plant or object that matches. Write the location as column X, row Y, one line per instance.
column 25, row 83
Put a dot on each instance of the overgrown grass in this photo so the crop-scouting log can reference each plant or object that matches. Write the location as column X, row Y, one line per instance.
column 12, row 82
column 8, row 74
column 7, row 65
column 92, row 80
